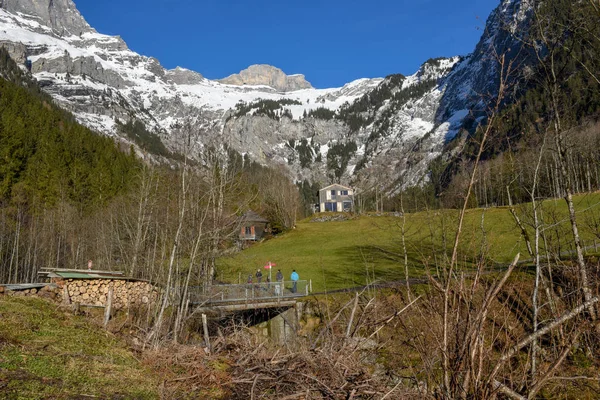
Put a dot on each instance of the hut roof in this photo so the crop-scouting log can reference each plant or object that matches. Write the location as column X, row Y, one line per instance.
column 251, row 216
column 24, row 286
column 86, row 274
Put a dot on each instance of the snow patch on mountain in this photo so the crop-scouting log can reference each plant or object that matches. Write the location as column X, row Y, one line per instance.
column 110, row 69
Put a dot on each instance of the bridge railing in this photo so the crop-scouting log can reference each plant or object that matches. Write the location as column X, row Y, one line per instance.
column 250, row 292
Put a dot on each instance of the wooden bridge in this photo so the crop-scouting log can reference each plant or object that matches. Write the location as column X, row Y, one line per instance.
column 249, row 296
column 279, row 304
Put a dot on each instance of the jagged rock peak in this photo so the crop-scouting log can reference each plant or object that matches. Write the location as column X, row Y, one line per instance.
column 183, row 76
column 263, row 74
column 61, row 16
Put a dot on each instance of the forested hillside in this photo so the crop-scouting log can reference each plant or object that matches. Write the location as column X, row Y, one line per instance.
column 68, row 194
column 53, row 173
column 46, row 156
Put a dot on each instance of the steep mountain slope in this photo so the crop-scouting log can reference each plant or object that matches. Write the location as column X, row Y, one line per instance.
column 100, row 79
column 369, row 127
column 473, row 84
column 46, row 156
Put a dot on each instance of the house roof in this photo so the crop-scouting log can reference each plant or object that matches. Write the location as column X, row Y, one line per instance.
column 251, row 216
column 336, row 185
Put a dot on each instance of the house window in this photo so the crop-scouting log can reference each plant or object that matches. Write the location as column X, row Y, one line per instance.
column 248, row 230
column 344, row 193
column 330, row 206
column 347, row 206
column 333, row 194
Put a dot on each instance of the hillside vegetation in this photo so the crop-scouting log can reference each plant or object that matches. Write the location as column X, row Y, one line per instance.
column 360, row 250
column 46, row 156
column 68, row 195
column 48, row 354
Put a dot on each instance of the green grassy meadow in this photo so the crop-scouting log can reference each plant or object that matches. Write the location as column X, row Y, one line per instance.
column 48, row 354
column 369, row 248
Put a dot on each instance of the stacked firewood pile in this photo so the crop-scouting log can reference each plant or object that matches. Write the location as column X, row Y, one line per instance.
column 49, row 292
column 96, row 292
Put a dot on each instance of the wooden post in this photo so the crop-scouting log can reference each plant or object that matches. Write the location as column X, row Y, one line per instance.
column 310, row 285
column 66, row 298
column 108, row 306
column 206, row 337
column 307, row 289
column 239, row 278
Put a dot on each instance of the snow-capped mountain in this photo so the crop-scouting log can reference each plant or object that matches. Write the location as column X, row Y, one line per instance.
column 99, row 78
column 368, row 127
column 474, row 82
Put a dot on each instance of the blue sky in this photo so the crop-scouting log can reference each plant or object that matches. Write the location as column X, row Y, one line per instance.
column 332, row 42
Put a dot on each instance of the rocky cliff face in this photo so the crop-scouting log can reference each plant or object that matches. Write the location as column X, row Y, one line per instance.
column 267, row 75
column 61, row 16
column 474, row 83
column 182, row 76
column 388, row 131
column 366, row 130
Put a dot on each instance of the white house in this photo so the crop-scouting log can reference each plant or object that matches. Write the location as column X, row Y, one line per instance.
column 336, row 198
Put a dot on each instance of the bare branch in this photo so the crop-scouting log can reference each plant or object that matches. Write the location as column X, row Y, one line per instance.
column 525, row 342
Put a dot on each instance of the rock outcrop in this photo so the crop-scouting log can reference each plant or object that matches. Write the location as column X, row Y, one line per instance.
column 60, row 15
column 267, row 75
column 16, row 51
column 182, row 76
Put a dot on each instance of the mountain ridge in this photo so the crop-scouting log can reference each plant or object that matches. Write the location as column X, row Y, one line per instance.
column 393, row 126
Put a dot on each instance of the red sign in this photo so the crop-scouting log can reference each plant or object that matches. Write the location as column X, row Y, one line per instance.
column 270, row 265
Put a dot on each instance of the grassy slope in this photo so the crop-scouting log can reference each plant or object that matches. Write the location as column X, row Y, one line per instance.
column 349, row 253
column 48, row 354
